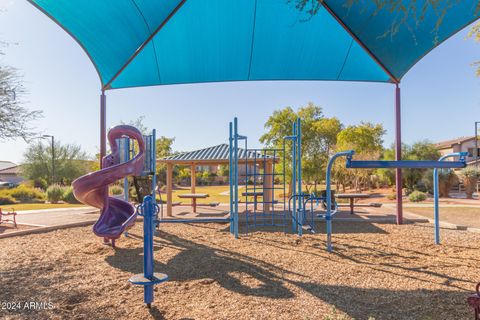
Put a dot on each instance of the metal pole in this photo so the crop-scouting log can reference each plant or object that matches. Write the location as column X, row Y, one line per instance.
column 148, row 212
column 230, row 175
column 328, row 215
column 476, row 144
column 436, row 193
column 398, row 154
column 235, row 150
column 154, row 164
column 53, row 159
column 103, row 126
column 294, row 178
column 299, row 175
column 126, row 154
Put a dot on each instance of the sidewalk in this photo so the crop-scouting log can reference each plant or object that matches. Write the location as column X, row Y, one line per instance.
column 51, row 219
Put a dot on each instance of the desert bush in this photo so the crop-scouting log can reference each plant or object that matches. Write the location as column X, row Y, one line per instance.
column 115, row 190
column 417, row 196
column 6, row 199
column 55, row 193
column 25, row 193
column 68, row 196
column 470, row 177
column 392, row 196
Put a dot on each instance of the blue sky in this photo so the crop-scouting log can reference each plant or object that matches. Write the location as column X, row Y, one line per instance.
column 440, row 95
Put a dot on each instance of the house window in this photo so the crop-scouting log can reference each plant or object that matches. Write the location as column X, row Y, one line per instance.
column 471, row 152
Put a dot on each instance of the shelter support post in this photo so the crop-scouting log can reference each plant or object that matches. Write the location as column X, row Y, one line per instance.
column 169, row 188
column 398, row 154
column 103, row 126
column 193, row 179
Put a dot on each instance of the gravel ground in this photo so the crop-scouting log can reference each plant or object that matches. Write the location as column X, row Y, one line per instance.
column 9, row 227
column 378, row 271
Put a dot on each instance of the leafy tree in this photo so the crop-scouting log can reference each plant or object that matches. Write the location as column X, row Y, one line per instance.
column 367, row 140
column 318, row 137
column 223, row 171
column 15, row 119
column 422, row 150
column 70, row 163
column 163, row 146
column 475, row 33
column 402, row 12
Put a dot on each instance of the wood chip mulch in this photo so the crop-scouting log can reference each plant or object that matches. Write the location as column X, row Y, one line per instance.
column 378, row 271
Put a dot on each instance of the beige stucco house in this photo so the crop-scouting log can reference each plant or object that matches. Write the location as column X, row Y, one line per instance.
column 462, row 144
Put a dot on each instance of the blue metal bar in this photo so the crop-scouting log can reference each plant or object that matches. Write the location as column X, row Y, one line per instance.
column 299, row 175
column 436, row 192
column 294, row 179
column 148, row 212
column 126, row 154
column 154, row 164
column 423, row 164
column 328, row 216
column 235, row 150
column 230, row 174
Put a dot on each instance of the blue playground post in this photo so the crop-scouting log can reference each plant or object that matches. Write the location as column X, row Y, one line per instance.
column 230, row 174
column 148, row 279
column 154, row 164
column 328, row 216
column 299, row 175
column 296, row 198
column 436, row 192
column 294, row 178
column 126, row 155
column 235, row 157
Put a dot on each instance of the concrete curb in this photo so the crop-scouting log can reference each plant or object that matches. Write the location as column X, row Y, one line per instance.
column 44, row 229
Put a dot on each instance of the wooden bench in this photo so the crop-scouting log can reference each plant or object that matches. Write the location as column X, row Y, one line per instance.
column 6, row 214
column 194, row 197
column 255, row 195
column 351, row 197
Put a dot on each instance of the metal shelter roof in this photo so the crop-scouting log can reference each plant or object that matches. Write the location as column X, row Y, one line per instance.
column 217, row 153
column 150, row 42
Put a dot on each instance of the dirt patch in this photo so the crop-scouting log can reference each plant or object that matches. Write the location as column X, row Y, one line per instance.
column 382, row 271
column 463, row 216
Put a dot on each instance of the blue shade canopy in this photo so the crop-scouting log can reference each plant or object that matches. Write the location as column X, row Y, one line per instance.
column 157, row 42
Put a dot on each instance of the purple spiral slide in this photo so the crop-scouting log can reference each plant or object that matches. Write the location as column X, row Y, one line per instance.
column 116, row 215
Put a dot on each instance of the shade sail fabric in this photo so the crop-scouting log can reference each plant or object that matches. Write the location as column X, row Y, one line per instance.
column 158, row 42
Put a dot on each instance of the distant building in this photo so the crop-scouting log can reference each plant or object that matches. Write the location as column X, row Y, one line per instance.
column 462, row 144
column 10, row 173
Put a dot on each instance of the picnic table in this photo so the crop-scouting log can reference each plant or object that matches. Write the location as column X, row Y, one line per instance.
column 194, row 197
column 255, row 195
column 352, row 197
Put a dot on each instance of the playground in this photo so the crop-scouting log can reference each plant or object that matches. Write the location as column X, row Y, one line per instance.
column 262, row 245
column 373, row 272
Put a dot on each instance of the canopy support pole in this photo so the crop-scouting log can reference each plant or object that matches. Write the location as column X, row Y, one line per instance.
column 103, row 126
column 398, row 154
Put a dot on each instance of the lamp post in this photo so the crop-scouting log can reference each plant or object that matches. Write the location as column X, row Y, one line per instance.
column 53, row 154
column 476, row 144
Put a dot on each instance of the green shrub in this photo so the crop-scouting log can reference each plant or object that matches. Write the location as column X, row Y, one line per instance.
column 417, row 196
column 55, row 193
column 115, row 190
column 25, row 193
column 392, row 196
column 6, row 199
column 68, row 196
